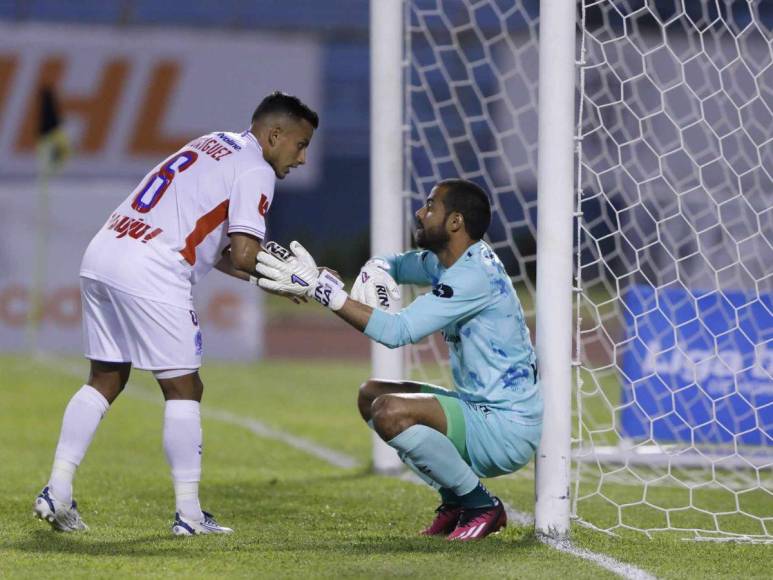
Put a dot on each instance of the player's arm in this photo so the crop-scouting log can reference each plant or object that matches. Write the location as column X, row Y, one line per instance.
column 425, row 315
column 447, row 303
column 238, row 259
column 415, row 267
column 462, row 295
column 355, row 313
column 243, row 251
column 248, row 204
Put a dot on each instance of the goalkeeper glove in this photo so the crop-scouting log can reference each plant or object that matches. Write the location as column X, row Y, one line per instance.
column 376, row 287
column 276, row 250
column 299, row 276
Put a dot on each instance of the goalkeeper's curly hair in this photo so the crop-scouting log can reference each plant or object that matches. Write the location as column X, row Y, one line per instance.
column 470, row 200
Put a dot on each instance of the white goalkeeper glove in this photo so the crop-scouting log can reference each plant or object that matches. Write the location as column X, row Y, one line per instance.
column 328, row 290
column 276, row 250
column 376, row 287
column 299, row 276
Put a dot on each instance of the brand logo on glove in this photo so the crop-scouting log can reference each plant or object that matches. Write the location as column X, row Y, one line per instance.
column 365, row 277
column 383, row 295
column 276, row 250
column 295, row 279
column 322, row 295
column 443, row 291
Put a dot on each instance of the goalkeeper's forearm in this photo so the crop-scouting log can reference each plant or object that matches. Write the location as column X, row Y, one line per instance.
column 355, row 313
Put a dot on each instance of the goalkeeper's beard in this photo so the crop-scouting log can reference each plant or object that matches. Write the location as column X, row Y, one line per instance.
column 435, row 240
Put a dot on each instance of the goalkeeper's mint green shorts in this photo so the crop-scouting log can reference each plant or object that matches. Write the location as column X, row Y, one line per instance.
column 489, row 438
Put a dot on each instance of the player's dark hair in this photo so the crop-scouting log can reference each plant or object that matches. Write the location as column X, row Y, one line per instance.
column 470, row 200
column 279, row 102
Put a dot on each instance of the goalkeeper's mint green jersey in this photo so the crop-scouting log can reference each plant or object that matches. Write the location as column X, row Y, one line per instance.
column 475, row 305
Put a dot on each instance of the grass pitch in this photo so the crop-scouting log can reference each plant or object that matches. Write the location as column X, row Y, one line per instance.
column 295, row 515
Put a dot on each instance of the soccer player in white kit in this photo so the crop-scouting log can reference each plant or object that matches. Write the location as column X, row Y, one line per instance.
column 204, row 206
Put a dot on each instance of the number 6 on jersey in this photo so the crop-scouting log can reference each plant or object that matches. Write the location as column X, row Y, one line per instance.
column 158, row 183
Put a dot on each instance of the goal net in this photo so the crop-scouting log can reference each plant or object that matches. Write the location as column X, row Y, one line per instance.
column 673, row 393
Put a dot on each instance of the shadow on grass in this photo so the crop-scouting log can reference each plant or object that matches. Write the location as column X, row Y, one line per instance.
column 46, row 541
column 160, row 544
column 341, row 514
column 381, row 546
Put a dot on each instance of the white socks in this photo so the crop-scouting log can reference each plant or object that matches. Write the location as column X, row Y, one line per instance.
column 81, row 419
column 182, row 445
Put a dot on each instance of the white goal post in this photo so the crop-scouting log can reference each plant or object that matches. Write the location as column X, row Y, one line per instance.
column 386, row 176
column 555, row 208
column 627, row 146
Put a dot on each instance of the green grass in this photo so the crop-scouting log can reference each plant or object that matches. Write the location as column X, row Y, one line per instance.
column 295, row 515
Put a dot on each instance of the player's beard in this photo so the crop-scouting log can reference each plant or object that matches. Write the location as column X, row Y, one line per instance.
column 432, row 239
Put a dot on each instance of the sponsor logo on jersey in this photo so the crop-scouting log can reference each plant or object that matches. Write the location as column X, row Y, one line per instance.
column 443, row 291
column 230, row 141
column 263, row 205
column 134, row 228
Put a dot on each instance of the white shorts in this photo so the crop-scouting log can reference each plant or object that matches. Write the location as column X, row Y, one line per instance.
column 120, row 327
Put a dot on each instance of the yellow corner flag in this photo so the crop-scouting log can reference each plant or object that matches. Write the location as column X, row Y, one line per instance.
column 53, row 144
column 53, row 149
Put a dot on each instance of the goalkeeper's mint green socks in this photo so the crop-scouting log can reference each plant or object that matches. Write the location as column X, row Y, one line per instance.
column 432, row 454
column 409, row 463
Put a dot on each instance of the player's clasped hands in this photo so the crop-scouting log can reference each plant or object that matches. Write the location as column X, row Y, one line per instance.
column 295, row 274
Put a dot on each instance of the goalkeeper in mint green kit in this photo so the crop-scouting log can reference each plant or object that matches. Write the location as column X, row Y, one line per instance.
column 491, row 423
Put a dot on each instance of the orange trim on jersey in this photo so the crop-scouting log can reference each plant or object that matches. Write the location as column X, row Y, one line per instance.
column 204, row 226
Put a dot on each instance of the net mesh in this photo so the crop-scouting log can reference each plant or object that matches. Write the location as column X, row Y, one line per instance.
column 673, row 392
column 471, row 111
column 674, row 258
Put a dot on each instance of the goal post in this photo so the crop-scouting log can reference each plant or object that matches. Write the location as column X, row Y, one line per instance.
column 386, row 175
column 555, row 230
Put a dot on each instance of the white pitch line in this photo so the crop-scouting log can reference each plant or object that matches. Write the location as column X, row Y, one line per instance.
column 345, row 461
column 607, row 562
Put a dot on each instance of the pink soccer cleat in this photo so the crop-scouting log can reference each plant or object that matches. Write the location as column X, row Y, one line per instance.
column 445, row 521
column 478, row 523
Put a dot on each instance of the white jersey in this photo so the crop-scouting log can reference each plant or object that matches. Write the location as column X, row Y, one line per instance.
column 174, row 226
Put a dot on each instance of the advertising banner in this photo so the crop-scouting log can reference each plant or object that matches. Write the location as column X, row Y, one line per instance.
column 131, row 96
column 698, row 367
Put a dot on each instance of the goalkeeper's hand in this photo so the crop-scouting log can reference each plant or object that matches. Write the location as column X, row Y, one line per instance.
column 376, row 287
column 299, row 276
column 281, row 253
